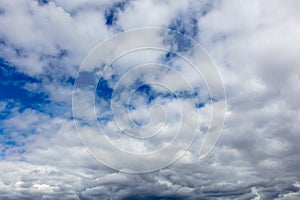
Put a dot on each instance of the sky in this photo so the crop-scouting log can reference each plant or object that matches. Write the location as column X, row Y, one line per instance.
column 149, row 99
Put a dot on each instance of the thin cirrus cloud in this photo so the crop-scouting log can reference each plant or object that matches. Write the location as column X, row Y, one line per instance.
column 255, row 47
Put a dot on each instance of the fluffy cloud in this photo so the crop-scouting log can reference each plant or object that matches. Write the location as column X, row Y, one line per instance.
column 255, row 46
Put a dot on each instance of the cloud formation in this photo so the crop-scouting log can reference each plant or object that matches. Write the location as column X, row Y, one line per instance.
column 255, row 48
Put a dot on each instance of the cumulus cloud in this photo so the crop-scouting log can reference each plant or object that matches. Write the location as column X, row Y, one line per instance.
column 255, row 47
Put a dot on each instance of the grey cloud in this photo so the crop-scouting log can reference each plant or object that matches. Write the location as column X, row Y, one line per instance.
column 255, row 46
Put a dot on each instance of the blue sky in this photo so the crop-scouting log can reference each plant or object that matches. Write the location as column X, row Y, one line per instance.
column 254, row 47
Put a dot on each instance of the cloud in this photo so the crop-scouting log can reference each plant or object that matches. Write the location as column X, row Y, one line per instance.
column 255, row 47
column 159, row 14
column 49, row 32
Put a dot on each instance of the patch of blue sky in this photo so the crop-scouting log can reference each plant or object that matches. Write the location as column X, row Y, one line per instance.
column 147, row 92
column 12, row 137
column 169, row 55
column 192, row 95
column 143, row 95
column 55, row 109
column 103, row 90
column 12, row 88
column 103, row 110
column 111, row 13
column 183, row 94
column 43, row 2
column 185, row 25
column 2, row 42
column 150, row 93
column 2, row 12
column 144, row 92
column 103, row 120
column 85, row 78
column 15, row 92
column 6, row 108
column 177, row 43
column 140, row 122
column 186, row 94
column 200, row 105
column 89, row 78
column 102, row 101
column 170, row 59
column 11, row 142
column 145, row 88
column 7, row 141
column 70, row 80
column 17, row 151
column 60, row 54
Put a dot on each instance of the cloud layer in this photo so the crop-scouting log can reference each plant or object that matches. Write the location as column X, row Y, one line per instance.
column 254, row 46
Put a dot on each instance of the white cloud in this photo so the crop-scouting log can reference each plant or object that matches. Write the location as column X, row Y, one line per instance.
column 255, row 46
column 150, row 13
